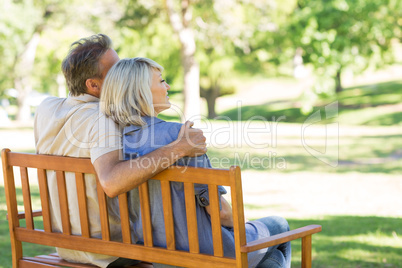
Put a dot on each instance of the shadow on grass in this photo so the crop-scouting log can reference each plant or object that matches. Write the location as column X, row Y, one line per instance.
column 352, row 241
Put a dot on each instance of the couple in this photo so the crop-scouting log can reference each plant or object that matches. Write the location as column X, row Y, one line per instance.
column 132, row 93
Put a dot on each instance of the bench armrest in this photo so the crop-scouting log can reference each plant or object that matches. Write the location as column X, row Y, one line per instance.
column 21, row 215
column 281, row 238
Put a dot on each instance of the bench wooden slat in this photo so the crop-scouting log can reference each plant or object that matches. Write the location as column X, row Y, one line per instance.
column 193, row 175
column 82, row 204
column 44, row 199
column 191, row 214
column 146, row 214
column 63, row 200
column 168, row 215
column 26, row 195
column 51, row 162
column 53, row 260
column 21, row 215
column 124, row 218
column 103, row 212
column 33, row 264
column 215, row 220
column 238, row 216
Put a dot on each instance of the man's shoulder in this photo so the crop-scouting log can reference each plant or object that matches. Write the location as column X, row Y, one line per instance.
column 51, row 100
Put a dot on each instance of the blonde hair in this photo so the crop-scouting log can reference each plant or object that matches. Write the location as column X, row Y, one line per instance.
column 126, row 91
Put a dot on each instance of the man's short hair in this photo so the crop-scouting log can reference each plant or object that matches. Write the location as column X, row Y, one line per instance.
column 82, row 62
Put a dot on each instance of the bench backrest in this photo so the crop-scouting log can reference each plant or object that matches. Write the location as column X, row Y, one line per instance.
column 147, row 252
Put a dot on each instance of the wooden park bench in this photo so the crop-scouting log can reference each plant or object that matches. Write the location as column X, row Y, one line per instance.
column 19, row 232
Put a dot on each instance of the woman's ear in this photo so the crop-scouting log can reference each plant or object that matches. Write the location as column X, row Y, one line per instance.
column 93, row 87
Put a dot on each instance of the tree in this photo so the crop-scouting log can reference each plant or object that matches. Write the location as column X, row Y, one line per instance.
column 21, row 39
column 216, row 37
column 336, row 35
column 226, row 42
column 23, row 50
column 29, row 27
column 181, row 24
column 215, row 81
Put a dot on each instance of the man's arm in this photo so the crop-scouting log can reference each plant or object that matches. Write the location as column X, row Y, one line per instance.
column 117, row 176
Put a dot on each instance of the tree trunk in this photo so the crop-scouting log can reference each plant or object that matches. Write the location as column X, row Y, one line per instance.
column 191, row 75
column 211, row 96
column 338, row 81
column 22, row 81
column 180, row 24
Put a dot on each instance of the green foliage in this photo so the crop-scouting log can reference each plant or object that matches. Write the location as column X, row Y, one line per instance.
column 343, row 34
column 14, row 31
column 145, row 32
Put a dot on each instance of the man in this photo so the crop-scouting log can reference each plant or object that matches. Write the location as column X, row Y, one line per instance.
column 74, row 127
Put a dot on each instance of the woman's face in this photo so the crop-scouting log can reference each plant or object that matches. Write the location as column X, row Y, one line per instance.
column 159, row 89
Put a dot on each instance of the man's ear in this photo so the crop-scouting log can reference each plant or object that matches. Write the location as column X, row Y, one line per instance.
column 93, row 87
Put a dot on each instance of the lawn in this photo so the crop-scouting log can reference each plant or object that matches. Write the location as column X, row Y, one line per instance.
column 353, row 241
column 349, row 163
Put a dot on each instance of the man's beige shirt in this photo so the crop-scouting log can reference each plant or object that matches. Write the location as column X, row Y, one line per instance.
column 74, row 127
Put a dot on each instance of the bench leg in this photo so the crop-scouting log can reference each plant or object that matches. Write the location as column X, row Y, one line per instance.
column 306, row 252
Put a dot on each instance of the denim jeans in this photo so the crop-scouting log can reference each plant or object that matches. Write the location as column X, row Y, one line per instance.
column 277, row 256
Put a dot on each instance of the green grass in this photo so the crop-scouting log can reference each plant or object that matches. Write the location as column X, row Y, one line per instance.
column 351, row 241
column 365, row 154
column 371, row 105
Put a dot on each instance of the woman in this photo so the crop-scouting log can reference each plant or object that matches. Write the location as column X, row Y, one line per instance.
column 133, row 94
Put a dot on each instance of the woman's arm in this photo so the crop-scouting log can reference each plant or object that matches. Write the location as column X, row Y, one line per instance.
column 225, row 213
